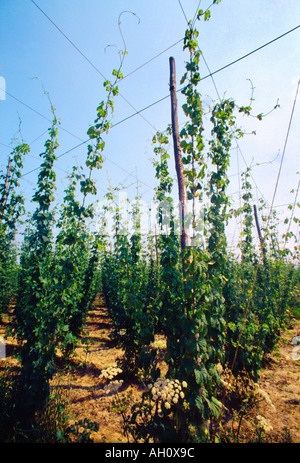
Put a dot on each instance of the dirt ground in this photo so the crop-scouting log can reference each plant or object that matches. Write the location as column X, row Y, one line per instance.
column 279, row 382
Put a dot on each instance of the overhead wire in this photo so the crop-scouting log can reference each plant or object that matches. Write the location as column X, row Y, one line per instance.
column 49, row 120
column 87, row 59
column 284, row 148
column 178, row 90
column 152, row 59
column 205, row 77
column 69, row 40
column 137, row 112
column 99, row 72
column 37, row 112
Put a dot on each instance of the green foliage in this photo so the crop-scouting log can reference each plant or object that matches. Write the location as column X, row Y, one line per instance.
column 49, row 425
column 213, row 308
column 195, row 337
column 56, row 277
column 76, row 262
column 127, row 284
column 217, row 311
column 11, row 209
column 34, row 319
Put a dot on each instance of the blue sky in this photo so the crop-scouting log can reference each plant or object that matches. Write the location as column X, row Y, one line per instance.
column 31, row 46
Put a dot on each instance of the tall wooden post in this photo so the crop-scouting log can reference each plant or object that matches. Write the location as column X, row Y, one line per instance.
column 177, row 154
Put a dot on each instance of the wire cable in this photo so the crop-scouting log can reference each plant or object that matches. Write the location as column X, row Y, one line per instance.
column 38, row 113
column 209, row 75
column 152, row 59
column 88, row 60
column 254, row 51
column 283, row 153
column 69, row 40
column 178, row 90
column 157, row 101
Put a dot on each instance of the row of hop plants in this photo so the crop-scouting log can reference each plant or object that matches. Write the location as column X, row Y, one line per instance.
column 218, row 311
column 230, row 330
column 49, row 283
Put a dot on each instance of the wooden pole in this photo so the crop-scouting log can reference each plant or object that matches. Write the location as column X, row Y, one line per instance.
column 177, row 154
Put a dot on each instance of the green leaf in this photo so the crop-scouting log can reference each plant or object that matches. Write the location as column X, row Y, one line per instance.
column 183, row 78
column 92, row 133
column 215, row 406
column 199, row 405
column 232, row 326
column 207, row 15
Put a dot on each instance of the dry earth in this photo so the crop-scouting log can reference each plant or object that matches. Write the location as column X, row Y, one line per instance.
column 280, row 381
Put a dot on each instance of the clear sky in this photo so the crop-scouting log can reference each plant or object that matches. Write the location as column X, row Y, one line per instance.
column 32, row 46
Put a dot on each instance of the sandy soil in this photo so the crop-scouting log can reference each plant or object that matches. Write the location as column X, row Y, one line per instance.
column 279, row 381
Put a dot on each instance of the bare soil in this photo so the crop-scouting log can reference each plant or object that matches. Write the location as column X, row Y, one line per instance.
column 85, row 391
